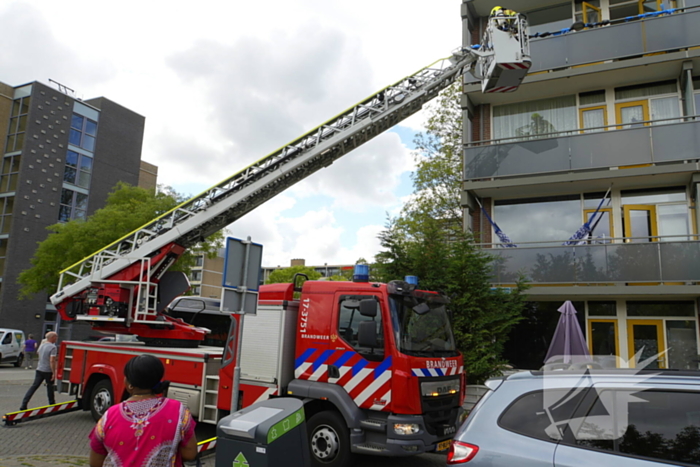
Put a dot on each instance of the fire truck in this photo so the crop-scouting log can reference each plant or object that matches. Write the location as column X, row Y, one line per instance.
column 375, row 364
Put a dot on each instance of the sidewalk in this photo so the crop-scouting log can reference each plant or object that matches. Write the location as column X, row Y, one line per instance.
column 42, row 460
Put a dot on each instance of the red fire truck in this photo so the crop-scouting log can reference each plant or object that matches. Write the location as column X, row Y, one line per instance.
column 375, row 364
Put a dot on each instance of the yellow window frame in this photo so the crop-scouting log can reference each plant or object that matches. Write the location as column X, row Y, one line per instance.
column 650, row 208
column 623, row 105
column 659, row 323
column 581, row 111
column 586, row 7
column 659, row 3
column 610, row 217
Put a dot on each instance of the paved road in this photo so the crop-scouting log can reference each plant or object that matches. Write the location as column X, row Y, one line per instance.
column 62, row 440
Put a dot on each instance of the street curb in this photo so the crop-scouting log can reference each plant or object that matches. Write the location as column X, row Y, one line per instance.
column 43, row 460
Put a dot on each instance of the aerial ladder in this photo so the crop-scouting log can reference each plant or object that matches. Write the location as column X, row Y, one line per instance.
column 124, row 287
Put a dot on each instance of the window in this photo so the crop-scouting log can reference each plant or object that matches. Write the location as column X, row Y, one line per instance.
column 602, row 308
column 73, row 205
column 667, row 213
column 588, row 11
column 199, row 261
column 6, row 209
column 530, row 414
column 196, row 275
column 18, row 124
column 194, row 290
column 535, row 119
column 3, row 255
column 83, row 132
column 660, row 308
column 7, row 339
column 349, row 319
column 9, row 174
column 78, row 169
column 553, row 18
column 523, row 220
column 682, row 343
column 659, row 108
column 656, row 424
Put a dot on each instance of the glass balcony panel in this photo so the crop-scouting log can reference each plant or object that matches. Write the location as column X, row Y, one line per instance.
column 680, row 261
column 598, row 263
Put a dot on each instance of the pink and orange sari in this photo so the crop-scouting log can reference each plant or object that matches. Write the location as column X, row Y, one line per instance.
column 145, row 433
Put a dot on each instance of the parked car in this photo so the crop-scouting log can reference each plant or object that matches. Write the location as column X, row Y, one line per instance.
column 11, row 343
column 581, row 418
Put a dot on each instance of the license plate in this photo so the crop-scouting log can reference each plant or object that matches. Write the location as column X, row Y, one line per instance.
column 443, row 445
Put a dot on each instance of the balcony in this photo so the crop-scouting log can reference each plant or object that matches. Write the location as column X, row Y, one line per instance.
column 576, row 150
column 609, row 263
column 617, row 41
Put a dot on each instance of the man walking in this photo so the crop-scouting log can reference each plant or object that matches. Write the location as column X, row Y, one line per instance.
column 29, row 352
column 45, row 370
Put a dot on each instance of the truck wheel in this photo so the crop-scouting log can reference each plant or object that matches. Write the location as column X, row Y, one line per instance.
column 329, row 440
column 101, row 399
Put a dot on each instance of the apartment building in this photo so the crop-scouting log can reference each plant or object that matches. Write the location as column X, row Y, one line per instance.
column 603, row 129
column 61, row 158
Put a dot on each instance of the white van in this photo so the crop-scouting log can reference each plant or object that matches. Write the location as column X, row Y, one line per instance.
column 11, row 343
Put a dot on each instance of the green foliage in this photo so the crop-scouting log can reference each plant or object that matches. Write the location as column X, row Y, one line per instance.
column 427, row 240
column 127, row 209
column 285, row 275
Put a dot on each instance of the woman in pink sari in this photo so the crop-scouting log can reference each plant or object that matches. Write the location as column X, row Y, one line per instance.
column 146, row 430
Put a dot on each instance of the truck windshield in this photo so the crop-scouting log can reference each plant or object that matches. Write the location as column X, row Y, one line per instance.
column 421, row 325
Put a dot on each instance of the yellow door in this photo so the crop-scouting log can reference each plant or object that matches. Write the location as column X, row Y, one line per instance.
column 603, row 225
column 593, row 117
column 632, row 114
column 646, row 336
column 640, row 223
column 603, row 341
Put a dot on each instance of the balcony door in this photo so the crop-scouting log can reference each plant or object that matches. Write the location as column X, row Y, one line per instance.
column 647, row 336
column 632, row 114
column 640, row 223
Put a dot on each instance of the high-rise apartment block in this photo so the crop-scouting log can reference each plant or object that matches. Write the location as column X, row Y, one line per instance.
column 61, row 158
column 604, row 129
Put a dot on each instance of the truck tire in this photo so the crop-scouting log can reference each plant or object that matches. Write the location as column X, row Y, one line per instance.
column 329, row 440
column 101, row 399
column 20, row 359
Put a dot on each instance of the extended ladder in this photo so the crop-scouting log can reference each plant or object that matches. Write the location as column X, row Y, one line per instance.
column 218, row 206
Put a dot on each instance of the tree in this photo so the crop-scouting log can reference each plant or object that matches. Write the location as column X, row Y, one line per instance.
column 285, row 275
column 427, row 240
column 127, row 209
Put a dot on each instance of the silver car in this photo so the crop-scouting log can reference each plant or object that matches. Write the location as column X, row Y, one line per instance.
column 584, row 418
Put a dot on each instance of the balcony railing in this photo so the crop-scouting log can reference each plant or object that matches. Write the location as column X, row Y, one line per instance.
column 623, row 39
column 609, row 262
column 650, row 142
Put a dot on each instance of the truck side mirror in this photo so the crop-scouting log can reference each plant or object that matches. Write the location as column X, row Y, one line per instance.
column 367, row 334
column 368, row 307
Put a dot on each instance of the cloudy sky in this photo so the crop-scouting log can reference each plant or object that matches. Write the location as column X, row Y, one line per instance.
column 222, row 84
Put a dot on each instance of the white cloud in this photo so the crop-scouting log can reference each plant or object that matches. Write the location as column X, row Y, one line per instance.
column 221, row 84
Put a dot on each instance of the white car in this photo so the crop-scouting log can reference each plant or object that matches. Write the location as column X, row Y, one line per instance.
column 11, row 343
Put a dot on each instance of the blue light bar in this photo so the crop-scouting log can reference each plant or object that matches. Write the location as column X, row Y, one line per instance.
column 361, row 273
column 412, row 280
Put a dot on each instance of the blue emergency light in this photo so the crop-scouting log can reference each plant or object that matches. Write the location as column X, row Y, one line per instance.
column 413, row 280
column 361, row 273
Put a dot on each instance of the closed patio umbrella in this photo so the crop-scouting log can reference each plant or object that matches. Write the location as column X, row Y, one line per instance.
column 568, row 343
